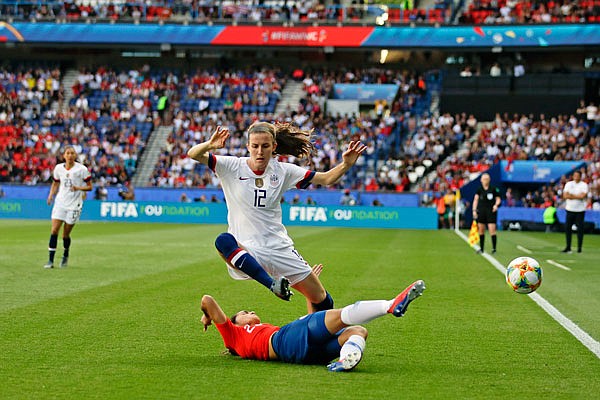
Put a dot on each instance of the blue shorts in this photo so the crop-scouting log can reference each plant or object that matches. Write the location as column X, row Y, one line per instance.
column 306, row 341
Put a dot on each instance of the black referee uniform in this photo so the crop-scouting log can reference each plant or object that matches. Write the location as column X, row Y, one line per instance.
column 485, row 213
column 487, row 199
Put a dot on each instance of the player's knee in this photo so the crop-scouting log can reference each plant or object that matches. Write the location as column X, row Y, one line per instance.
column 358, row 330
column 226, row 244
column 325, row 304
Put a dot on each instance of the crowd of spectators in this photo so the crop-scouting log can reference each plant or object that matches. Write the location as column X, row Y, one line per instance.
column 36, row 124
column 251, row 90
column 305, row 11
column 26, row 93
column 531, row 12
column 252, row 11
column 526, row 137
column 174, row 168
column 375, row 128
column 552, row 194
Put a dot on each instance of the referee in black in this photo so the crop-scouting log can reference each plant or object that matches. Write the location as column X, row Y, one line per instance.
column 485, row 211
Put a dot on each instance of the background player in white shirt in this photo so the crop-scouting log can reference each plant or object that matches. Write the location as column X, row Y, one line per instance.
column 70, row 180
column 575, row 195
column 257, row 244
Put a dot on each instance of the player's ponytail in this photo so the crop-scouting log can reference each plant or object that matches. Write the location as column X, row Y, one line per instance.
column 290, row 139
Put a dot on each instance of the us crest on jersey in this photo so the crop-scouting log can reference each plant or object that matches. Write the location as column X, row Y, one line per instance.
column 274, row 180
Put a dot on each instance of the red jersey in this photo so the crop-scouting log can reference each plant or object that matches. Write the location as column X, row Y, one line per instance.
column 248, row 341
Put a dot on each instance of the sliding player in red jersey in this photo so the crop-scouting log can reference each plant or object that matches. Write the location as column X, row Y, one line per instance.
column 316, row 338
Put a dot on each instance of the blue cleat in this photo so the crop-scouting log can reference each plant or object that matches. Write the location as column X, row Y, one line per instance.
column 347, row 364
column 402, row 301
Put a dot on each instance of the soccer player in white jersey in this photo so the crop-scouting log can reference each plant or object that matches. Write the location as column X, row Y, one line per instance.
column 257, row 245
column 70, row 180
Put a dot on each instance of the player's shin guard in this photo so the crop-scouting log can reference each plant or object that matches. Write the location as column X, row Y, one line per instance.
column 362, row 312
column 238, row 257
column 66, row 245
column 52, row 247
column 326, row 304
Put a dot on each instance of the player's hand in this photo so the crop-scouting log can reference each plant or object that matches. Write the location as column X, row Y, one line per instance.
column 317, row 269
column 206, row 322
column 355, row 149
column 219, row 137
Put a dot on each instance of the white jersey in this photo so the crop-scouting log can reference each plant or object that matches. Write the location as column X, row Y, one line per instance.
column 572, row 187
column 254, row 201
column 78, row 175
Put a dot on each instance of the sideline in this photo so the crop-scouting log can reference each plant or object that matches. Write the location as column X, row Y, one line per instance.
column 526, row 250
column 559, row 265
column 573, row 328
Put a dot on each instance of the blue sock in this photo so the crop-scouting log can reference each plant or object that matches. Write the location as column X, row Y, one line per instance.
column 326, row 304
column 238, row 257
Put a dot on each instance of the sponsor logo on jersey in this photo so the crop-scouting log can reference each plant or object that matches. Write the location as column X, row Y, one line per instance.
column 243, row 178
column 259, row 182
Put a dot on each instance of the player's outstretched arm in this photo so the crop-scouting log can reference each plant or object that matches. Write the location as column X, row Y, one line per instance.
column 216, row 141
column 349, row 157
column 211, row 312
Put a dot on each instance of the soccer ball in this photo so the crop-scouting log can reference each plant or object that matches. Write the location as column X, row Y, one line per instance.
column 524, row 275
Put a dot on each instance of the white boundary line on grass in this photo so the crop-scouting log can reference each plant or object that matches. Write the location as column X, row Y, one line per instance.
column 570, row 326
column 559, row 265
column 526, row 250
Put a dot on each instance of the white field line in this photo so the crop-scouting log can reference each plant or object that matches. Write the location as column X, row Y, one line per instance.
column 559, row 265
column 525, row 249
column 592, row 344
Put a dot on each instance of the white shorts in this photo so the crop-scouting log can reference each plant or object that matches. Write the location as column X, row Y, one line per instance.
column 282, row 262
column 69, row 216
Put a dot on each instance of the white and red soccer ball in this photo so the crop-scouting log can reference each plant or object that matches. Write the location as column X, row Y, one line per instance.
column 524, row 275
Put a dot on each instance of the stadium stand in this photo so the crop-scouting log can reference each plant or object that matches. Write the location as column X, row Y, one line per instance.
column 379, row 129
column 531, row 12
column 244, row 11
column 36, row 124
column 524, row 137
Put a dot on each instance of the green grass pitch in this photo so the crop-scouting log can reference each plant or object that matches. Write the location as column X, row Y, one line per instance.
column 123, row 320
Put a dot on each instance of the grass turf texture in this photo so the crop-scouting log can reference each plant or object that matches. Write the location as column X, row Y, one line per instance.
column 122, row 321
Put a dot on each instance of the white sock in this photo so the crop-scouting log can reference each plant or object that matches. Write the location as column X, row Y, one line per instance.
column 353, row 343
column 362, row 312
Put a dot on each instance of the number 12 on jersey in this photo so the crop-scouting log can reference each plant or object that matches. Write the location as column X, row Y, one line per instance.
column 259, row 196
